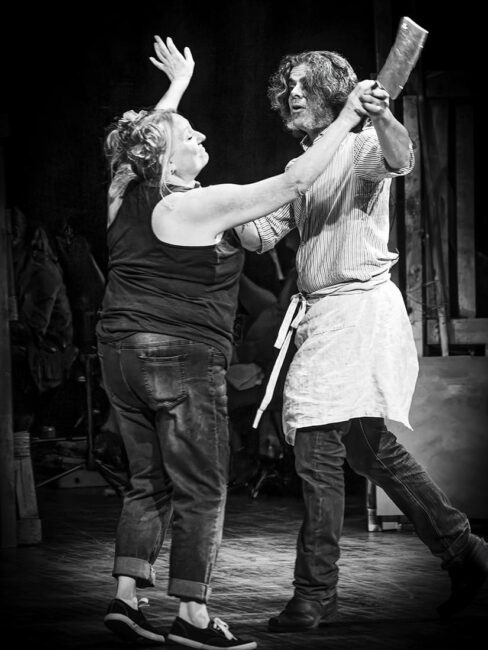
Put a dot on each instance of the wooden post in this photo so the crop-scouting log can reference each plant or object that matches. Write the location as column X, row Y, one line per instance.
column 433, row 170
column 28, row 522
column 8, row 534
column 438, row 148
column 414, row 229
column 465, row 231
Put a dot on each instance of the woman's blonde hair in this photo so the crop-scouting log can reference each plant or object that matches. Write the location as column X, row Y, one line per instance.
column 139, row 145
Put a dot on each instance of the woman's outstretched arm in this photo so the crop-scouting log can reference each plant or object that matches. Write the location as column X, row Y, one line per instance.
column 202, row 214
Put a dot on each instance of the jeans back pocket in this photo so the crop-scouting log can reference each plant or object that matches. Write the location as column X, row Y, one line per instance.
column 164, row 379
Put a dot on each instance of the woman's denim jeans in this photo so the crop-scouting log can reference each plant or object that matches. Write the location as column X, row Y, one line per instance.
column 169, row 396
column 372, row 451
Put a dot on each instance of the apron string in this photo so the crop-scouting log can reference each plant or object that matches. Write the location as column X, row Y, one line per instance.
column 294, row 314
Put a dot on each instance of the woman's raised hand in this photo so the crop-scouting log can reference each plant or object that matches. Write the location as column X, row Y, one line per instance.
column 171, row 61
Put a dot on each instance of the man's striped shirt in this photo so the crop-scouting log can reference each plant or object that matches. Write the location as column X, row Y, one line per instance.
column 343, row 219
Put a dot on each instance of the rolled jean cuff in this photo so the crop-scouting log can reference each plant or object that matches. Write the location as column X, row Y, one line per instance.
column 197, row 591
column 134, row 567
column 459, row 549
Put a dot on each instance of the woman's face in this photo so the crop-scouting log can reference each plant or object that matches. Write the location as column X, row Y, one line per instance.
column 188, row 157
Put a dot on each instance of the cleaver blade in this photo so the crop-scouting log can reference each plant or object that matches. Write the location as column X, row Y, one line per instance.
column 403, row 56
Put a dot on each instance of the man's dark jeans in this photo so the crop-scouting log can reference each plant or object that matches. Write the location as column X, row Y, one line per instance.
column 371, row 451
column 169, row 396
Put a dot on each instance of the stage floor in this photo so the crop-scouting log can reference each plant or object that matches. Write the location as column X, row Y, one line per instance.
column 54, row 595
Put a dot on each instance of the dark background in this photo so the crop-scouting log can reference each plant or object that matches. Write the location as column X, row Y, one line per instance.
column 71, row 68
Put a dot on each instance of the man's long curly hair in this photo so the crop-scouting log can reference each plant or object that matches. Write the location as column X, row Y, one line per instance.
column 329, row 80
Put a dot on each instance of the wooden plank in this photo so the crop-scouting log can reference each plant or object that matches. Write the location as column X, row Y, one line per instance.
column 435, row 291
column 413, row 228
column 29, row 530
column 462, row 331
column 24, row 477
column 25, row 489
column 439, row 153
column 465, row 226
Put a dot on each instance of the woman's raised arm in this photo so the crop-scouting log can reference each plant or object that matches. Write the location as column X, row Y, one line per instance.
column 177, row 67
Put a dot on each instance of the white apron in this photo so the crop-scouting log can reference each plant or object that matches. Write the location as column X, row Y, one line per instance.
column 355, row 357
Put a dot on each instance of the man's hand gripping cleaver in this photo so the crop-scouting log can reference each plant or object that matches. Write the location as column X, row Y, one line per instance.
column 403, row 57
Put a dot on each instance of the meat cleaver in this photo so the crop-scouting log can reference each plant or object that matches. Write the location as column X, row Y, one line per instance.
column 403, row 56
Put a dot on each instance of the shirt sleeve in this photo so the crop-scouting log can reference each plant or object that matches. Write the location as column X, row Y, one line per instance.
column 275, row 226
column 369, row 162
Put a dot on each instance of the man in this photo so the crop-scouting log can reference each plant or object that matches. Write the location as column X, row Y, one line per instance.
column 356, row 362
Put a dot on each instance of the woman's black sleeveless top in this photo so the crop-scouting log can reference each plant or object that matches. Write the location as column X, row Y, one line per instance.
column 184, row 291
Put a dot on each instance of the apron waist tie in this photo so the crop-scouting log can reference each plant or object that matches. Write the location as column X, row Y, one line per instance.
column 294, row 314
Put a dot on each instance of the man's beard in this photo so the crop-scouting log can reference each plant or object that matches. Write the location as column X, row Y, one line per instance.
column 316, row 119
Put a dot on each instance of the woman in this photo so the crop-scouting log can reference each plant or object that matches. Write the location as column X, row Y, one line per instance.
column 165, row 335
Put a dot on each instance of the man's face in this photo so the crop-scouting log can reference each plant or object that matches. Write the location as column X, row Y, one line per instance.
column 305, row 113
